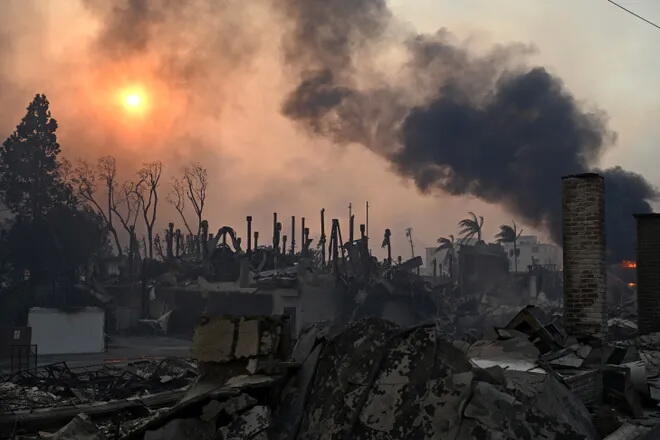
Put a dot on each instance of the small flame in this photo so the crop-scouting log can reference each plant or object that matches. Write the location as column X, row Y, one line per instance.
column 631, row 285
column 629, row 264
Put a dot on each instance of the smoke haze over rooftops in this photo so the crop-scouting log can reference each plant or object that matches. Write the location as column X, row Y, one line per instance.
column 487, row 125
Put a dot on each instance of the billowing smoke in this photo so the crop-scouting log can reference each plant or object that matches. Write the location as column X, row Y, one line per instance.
column 480, row 125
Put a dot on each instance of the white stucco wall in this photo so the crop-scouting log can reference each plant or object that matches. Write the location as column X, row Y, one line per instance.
column 59, row 332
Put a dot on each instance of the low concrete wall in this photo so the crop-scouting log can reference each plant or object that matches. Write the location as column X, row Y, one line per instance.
column 62, row 332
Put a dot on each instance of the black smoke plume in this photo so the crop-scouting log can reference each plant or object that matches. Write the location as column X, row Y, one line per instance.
column 482, row 125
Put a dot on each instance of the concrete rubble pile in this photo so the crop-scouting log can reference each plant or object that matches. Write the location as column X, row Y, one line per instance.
column 377, row 380
column 373, row 379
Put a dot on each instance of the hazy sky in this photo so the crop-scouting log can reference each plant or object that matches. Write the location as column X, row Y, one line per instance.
column 214, row 81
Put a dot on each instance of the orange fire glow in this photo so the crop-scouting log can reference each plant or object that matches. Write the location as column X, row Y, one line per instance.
column 631, row 285
column 629, row 264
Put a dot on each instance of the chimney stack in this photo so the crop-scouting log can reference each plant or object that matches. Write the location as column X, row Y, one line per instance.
column 648, row 273
column 169, row 239
column 276, row 241
column 322, row 238
column 204, row 238
column 249, row 233
column 388, row 243
column 256, row 240
column 351, row 228
column 293, row 235
column 278, row 238
column 585, row 276
column 306, row 240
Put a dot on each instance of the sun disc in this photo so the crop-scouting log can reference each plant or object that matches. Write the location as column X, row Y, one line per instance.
column 134, row 100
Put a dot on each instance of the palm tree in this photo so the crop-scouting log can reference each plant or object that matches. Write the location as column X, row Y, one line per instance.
column 448, row 245
column 471, row 227
column 510, row 234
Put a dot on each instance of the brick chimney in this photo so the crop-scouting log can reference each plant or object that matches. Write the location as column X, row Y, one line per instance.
column 648, row 273
column 585, row 276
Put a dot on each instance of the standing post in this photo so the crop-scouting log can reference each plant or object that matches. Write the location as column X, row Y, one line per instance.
column 275, row 240
column 204, row 239
column 293, row 235
column 169, row 239
column 322, row 239
column 306, row 240
column 302, row 234
column 388, row 234
column 367, row 221
column 351, row 229
column 278, row 235
column 334, row 244
column 249, row 233
column 350, row 211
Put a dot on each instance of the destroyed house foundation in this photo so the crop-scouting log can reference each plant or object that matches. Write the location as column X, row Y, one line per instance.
column 585, row 279
column 648, row 272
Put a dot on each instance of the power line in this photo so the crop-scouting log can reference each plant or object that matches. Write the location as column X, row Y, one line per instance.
column 634, row 14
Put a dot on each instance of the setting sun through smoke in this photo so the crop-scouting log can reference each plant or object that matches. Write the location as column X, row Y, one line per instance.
column 134, row 100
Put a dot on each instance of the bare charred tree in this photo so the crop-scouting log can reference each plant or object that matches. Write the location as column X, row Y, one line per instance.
column 126, row 207
column 196, row 181
column 107, row 171
column 146, row 190
column 85, row 179
column 177, row 198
